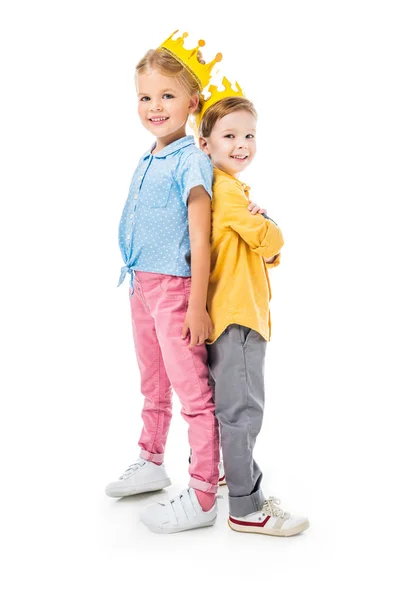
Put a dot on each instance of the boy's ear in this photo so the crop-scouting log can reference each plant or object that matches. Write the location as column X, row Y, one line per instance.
column 203, row 145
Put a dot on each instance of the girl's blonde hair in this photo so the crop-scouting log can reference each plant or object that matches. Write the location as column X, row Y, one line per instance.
column 222, row 108
column 167, row 65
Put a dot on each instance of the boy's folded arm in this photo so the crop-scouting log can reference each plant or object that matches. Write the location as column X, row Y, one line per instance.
column 274, row 261
column 261, row 234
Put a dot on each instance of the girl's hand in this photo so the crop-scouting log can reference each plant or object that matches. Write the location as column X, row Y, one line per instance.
column 198, row 323
column 255, row 209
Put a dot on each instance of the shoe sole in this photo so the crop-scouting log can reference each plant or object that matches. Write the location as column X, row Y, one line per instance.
column 156, row 529
column 154, row 486
column 274, row 532
column 222, row 482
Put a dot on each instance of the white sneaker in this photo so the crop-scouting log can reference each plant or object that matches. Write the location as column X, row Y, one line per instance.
column 141, row 476
column 221, row 477
column 271, row 520
column 178, row 514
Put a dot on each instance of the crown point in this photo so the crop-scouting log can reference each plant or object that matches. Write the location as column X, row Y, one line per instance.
column 189, row 58
column 215, row 93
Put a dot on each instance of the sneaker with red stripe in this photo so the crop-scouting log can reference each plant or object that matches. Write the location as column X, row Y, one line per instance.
column 270, row 520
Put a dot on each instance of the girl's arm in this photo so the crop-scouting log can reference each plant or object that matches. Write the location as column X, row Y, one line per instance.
column 197, row 319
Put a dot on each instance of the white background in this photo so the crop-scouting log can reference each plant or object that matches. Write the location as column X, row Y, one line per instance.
column 324, row 77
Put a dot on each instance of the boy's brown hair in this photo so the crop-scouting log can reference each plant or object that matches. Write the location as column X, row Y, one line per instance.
column 222, row 108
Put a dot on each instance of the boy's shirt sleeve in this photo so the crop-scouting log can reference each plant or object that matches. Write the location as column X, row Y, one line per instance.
column 277, row 259
column 196, row 169
column 276, row 262
column 260, row 233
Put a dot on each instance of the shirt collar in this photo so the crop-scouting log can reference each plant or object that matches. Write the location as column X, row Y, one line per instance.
column 228, row 176
column 188, row 140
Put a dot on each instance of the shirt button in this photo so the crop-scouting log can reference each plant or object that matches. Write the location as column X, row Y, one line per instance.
column 135, row 196
column 131, row 216
column 128, row 237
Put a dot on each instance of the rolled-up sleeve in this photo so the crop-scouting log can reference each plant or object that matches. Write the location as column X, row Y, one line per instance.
column 196, row 169
column 275, row 263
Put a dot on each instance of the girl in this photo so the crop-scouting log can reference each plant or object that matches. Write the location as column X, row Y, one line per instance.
column 164, row 239
column 242, row 246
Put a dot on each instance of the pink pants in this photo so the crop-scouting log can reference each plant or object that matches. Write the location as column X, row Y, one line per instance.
column 159, row 306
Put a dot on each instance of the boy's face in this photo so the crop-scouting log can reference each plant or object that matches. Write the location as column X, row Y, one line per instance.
column 232, row 143
column 163, row 106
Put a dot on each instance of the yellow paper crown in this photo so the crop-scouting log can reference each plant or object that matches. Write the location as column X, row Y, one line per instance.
column 188, row 58
column 216, row 95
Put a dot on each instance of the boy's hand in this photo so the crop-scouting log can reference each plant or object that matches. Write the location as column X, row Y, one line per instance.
column 198, row 323
column 255, row 209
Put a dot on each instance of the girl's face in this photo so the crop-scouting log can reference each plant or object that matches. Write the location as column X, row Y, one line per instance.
column 232, row 143
column 163, row 106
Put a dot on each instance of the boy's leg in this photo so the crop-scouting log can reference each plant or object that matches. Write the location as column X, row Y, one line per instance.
column 236, row 361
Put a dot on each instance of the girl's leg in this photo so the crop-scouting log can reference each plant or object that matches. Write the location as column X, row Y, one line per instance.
column 188, row 373
column 155, row 385
column 236, row 362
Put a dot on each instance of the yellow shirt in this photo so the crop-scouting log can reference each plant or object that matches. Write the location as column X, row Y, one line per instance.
column 239, row 290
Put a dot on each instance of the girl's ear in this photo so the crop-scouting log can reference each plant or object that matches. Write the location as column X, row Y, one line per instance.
column 204, row 145
column 194, row 102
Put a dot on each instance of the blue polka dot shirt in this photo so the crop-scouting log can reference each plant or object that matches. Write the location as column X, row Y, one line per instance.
column 154, row 230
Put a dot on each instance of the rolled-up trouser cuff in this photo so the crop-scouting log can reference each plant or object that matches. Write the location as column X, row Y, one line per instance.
column 246, row 505
column 203, row 486
column 151, row 457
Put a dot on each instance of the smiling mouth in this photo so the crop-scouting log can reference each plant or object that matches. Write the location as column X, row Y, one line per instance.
column 239, row 157
column 158, row 119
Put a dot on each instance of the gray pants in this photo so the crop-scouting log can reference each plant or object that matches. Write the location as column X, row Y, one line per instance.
column 236, row 361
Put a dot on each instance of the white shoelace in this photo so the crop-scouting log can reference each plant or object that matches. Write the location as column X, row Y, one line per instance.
column 271, row 506
column 132, row 468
